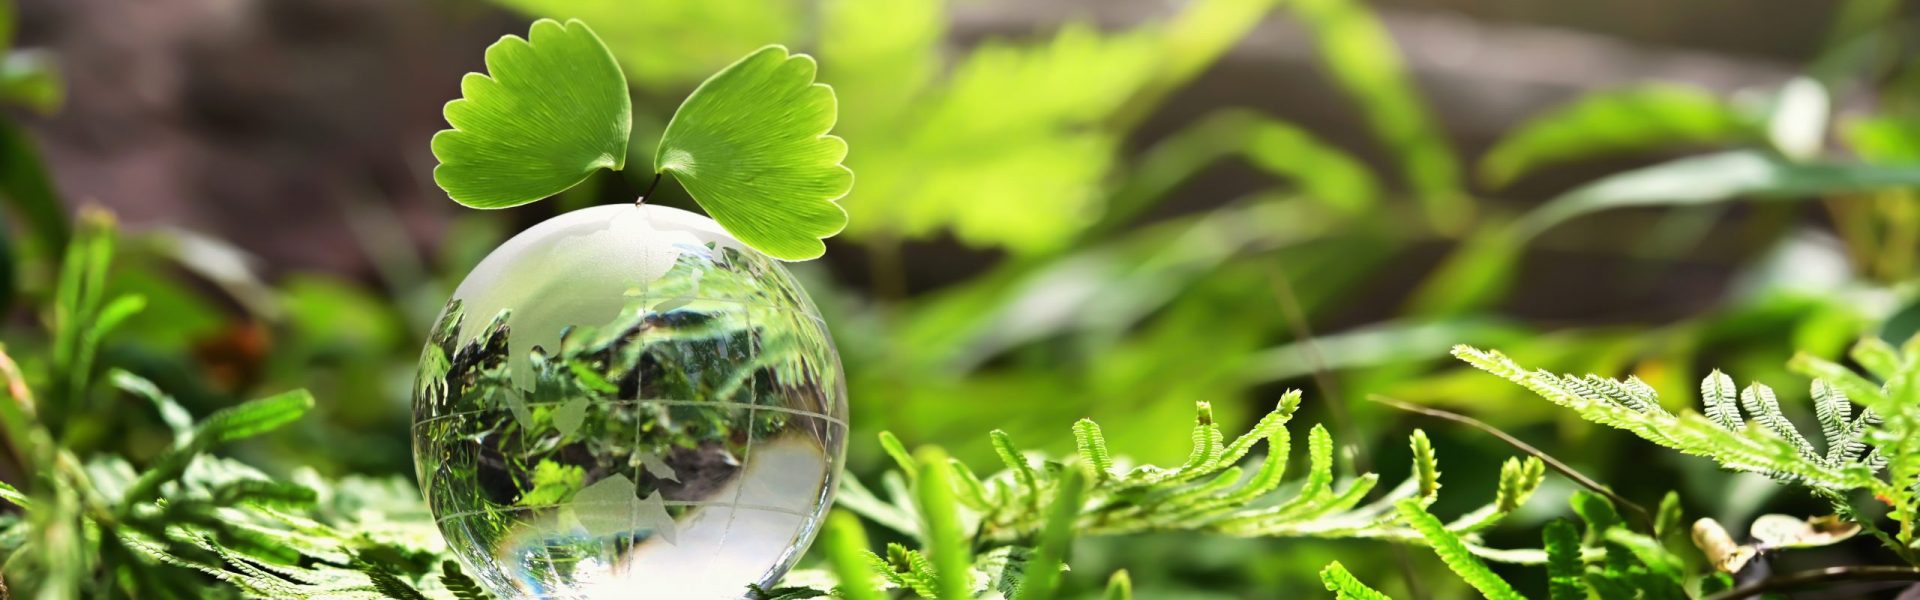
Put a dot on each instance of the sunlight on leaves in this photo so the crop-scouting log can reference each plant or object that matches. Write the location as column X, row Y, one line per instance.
column 751, row 146
column 1619, row 121
column 1715, row 178
column 552, row 109
column 667, row 44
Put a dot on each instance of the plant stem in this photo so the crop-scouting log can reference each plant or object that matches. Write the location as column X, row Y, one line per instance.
column 1821, row 577
column 1296, row 316
column 642, row 200
column 1640, row 513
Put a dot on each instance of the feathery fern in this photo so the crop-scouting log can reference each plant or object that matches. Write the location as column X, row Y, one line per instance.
column 1610, row 563
column 1887, row 421
column 102, row 528
column 1026, row 511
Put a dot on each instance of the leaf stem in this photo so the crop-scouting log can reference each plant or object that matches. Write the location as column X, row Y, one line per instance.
column 1815, row 577
column 642, row 200
column 1640, row 513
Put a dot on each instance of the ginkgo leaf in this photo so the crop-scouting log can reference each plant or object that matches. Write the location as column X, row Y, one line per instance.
column 552, row 109
column 751, row 146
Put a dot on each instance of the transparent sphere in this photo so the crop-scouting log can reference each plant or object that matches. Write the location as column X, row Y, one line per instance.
column 626, row 402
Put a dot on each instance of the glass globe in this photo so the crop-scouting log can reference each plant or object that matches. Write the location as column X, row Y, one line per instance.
column 626, row 402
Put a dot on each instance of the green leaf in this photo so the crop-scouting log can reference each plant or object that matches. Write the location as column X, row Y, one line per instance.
column 751, row 146
column 1633, row 119
column 1716, row 178
column 1566, row 575
column 668, row 45
column 1366, row 64
column 1426, row 468
column 1453, row 551
column 1884, row 138
column 25, row 186
column 13, row 494
column 946, row 543
column 253, row 418
column 30, row 78
column 846, row 545
column 1345, row 586
column 551, row 110
column 1055, row 538
column 1119, row 586
column 1594, row 509
column 463, row 587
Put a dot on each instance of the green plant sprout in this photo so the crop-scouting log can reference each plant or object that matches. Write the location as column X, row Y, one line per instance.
column 1608, row 561
column 750, row 144
column 97, row 527
column 1006, row 533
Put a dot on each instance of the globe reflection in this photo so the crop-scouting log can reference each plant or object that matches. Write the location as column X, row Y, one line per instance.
column 624, row 401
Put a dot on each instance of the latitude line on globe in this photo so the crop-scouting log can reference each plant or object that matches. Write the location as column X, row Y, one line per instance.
column 694, row 503
column 661, row 401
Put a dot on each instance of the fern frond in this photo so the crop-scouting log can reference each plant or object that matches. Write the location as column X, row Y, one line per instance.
column 1565, row 573
column 1425, row 468
column 1210, row 491
column 1760, row 402
column 465, row 588
column 1454, row 553
column 1092, row 446
column 1717, row 392
column 1877, row 357
column 1345, row 586
column 1721, row 435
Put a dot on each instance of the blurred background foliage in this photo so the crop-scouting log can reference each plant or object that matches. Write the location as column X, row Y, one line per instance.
column 1063, row 210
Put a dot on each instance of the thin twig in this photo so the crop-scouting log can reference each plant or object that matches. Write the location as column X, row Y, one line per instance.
column 1296, row 317
column 1303, row 331
column 1821, row 577
column 1639, row 512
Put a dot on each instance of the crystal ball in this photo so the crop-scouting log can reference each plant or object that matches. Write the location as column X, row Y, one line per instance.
column 626, row 402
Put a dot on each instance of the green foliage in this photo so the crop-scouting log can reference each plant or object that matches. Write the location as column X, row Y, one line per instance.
column 940, row 512
column 751, row 146
column 668, row 43
column 1565, row 572
column 1887, row 422
column 1119, row 586
column 99, row 527
column 1453, row 551
column 1610, row 562
column 551, row 110
column 846, row 548
column 1026, row 515
column 1365, row 62
column 1715, row 178
column 1056, row 536
column 1639, row 118
column 1345, row 586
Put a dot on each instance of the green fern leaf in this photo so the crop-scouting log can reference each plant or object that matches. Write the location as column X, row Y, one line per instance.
column 897, row 451
column 1565, row 572
column 1717, row 392
column 1017, row 463
column 1425, row 468
column 1518, row 480
column 459, row 584
column 1454, row 552
column 1119, row 586
column 1345, row 586
column 1760, row 402
column 1877, row 356
column 1093, row 448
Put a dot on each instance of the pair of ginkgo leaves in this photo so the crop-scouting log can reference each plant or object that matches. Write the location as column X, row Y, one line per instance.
column 750, row 145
